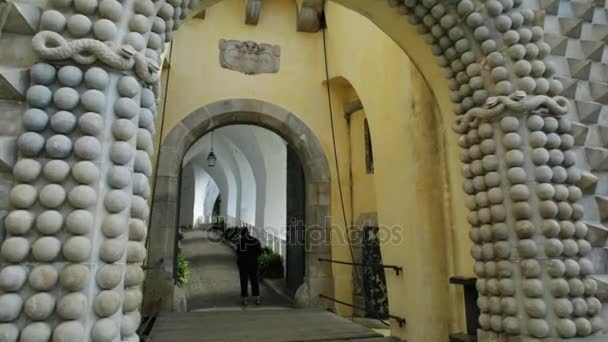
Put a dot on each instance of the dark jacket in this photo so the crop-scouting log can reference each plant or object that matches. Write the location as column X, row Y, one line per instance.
column 248, row 250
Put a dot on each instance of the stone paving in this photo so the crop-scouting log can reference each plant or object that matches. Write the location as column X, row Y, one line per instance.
column 214, row 281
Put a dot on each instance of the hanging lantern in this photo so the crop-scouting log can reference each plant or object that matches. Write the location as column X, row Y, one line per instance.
column 211, row 158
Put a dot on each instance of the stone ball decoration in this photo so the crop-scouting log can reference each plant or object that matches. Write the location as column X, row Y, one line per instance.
column 70, row 76
column 52, row 196
column 9, row 332
column 56, row 171
column 43, row 278
column 104, row 330
column 87, row 148
column 137, row 230
column 112, row 250
column 106, row 303
column 134, row 276
column 58, row 146
column 96, row 78
column 94, row 100
column 119, row 177
column 74, row 277
column 68, row 331
column 35, row 119
column 136, row 252
column 49, row 222
column 36, row 332
column 90, row 123
column 140, row 210
column 39, row 96
column 79, row 222
column 126, row 108
column 121, row 153
column 130, row 323
column 79, row 25
column 10, row 307
column 123, row 129
column 72, row 306
column 105, row 29
column 85, row 172
column 39, row 306
column 77, row 248
column 30, row 144
column 43, row 73
column 19, row 222
column 82, row 196
column 26, row 170
column 143, row 164
column 132, row 300
column 66, row 98
column 13, row 277
column 114, row 225
column 116, row 201
column 46, row 249
column 109, row 276
column 15, row 249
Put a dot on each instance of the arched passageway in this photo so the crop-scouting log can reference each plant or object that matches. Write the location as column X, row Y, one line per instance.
column 159, row 288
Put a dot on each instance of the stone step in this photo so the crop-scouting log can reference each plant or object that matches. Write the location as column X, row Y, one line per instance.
column 13, row 83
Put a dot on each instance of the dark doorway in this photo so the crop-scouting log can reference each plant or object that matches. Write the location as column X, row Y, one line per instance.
column 295, row 222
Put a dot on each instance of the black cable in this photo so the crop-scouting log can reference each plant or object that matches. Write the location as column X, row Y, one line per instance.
column 333, row 137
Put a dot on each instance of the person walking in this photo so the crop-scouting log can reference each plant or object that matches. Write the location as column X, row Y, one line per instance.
column 248, row 252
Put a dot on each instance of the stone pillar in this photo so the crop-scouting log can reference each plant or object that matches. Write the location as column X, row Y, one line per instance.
column 530, row 241
column 70, row 266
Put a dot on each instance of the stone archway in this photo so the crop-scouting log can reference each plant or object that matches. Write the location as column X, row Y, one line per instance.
column 493, row 53
column 158, row 288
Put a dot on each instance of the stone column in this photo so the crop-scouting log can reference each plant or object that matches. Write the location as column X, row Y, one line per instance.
column 530, row 241
column 70, row 264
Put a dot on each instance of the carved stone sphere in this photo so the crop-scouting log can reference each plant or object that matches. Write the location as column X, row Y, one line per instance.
column 123, row 129
column 136, row 40
column 94, row 100
column 112, row 250
column 12, row 278
column 79, row 222
column 540, row 156
column 56, row 171
column 49, row 222
column 30, row 144
column 547, row 209
column 550, row 228
column 37, row 331
column 524, row 229
column 530, row 268
column 63, row 122
column 82, row 197
column 584, row 247
column 104, row 330
column 109, row 276
column 77, row 248
column 39, row 96
column 586, row 266
column 140, row 23
column 52, row 196
column 137, row 230
column 134, row 276
column 121, row 153
column 43, row 73
column 39, row 306
column 105, row 29
column 72, row 306
column 111, row 9
column 87, row 148
column 594, row 306
column 10, row 307
column 70, row 76
column 52, row 20
column 85, row 6
column 583, row 326
column 511, row 325
column 90, row 123
column 19, row 222
column 114, row 225
column 155, row 41
column 46, row 249
column 66, row 98
column 126, row 108
column 35, row 119
column 133, row 299
column 116, row 201
column 538, row 328
column 514, row 158
column 106, row 303
column 130, row 323
column 533, row 288
column 146, row 119
column 512, row 141
column 141, row 186
column 79, row 25
column 23, row 196
column 543, row 174
column 553, row 248
column 140, row 210
column 69, row 331
column 136, row 252
column 43, row 278
column 58, row 146
column 26, row 170
column 516, row 175
column 96, row 78
column 85, row 172
column 573, row 269
column 119, row 177
column 565, row 328
column 74, row 277
column 527, row 248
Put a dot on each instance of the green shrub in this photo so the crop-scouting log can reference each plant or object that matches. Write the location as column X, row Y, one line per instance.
column 270, row 264
column 183, row 271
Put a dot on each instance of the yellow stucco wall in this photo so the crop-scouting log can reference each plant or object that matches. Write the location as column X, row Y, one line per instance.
column 416, row 186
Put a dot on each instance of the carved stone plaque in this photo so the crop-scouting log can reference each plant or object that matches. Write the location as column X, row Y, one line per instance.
column 249, row 57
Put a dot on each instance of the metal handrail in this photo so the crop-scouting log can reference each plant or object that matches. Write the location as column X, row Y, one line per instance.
column 400, row 320
column 397, row 269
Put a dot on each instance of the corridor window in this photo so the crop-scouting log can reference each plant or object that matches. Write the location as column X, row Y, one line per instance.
column 369, row 155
